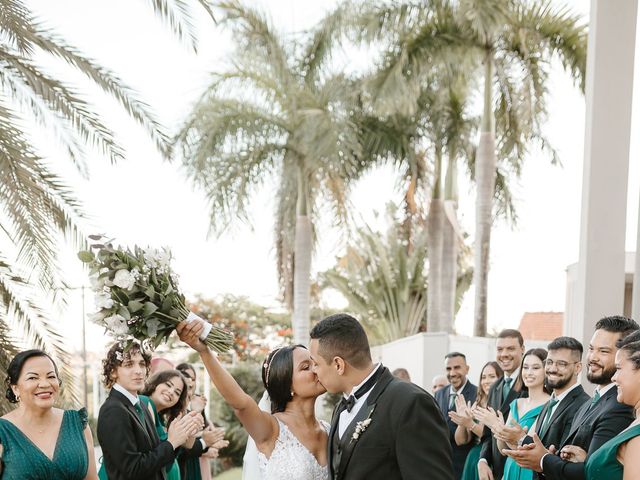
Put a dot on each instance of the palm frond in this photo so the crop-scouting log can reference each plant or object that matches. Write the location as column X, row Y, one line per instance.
column 177, row 14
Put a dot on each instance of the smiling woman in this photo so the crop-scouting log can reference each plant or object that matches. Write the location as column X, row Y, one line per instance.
column 38, row 440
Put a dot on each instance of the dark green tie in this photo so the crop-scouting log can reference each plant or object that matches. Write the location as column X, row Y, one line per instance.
column 547, row 416
column 594, row 400
column 139, row 411
column 452, row 400
column 506, row 388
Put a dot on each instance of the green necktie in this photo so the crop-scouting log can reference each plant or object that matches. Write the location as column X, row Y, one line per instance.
column 547, row 416
column 506, row 388
column 139, row 411
column 452, row 400
column 594, row 400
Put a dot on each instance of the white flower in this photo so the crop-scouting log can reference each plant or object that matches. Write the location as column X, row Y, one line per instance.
column 117, row 324
column 361, row 427
column 124, row 279
column 152, row 327
column 103, row 300
column 97, row 317
column 96, row 283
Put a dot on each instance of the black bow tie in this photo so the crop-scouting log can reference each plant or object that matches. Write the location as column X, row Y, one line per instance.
column 350, row 401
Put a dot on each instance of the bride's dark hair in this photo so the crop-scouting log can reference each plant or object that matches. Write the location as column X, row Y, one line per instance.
column 277, row 376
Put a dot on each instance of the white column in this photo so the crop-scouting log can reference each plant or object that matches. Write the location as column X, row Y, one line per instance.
column 609, row 88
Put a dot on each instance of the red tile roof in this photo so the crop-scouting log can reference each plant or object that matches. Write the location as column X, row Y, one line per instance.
column 541, row 325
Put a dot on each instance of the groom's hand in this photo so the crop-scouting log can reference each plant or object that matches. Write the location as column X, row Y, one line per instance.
column 189, row 333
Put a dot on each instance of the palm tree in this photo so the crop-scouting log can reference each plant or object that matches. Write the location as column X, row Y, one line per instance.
column 275, row 112
column 510, row 43
column 384, row 280
column 39, row 208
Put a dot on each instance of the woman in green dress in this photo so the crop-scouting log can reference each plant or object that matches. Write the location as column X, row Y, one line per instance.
column 39, row 441
column 469, row 429
column 165, row 395
column 522, row 411
column 619, row 458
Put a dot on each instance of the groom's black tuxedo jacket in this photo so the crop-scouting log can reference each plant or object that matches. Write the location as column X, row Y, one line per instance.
column 407, row 438
column 591, row 428
column 489, row 450
column 131, row 448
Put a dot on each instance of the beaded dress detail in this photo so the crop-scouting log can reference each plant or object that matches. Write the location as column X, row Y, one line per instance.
column 290, row 460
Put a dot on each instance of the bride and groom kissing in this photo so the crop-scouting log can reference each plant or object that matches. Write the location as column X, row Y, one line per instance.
column 383, row 428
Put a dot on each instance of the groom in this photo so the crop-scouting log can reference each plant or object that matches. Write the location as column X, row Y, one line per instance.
column 383, row 428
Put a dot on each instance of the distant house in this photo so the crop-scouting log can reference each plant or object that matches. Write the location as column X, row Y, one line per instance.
column 542, row 325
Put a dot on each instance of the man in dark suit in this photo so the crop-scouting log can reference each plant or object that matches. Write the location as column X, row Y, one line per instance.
column 509, row 353
column 383, row 428
column 597, row 421
column 562, row 367
column 455, row 364
column 130, row 444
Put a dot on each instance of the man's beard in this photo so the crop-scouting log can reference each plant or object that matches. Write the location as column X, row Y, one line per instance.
column 603, row 378
column 559, row 383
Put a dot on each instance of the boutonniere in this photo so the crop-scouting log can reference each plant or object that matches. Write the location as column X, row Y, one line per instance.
column 361, row 426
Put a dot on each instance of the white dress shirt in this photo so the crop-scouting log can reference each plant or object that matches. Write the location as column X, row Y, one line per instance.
column 132, row 398
column 347, row 417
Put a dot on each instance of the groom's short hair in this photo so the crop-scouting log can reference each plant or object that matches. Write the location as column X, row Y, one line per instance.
column 341, row 335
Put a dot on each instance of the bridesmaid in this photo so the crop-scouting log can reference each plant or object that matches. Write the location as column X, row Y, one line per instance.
column 39, row 441
column 468, row 428
column 523, row 411
column 165, row 395
column 619, row 458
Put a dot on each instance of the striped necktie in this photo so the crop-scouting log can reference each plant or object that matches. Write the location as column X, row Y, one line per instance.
column 506, row 388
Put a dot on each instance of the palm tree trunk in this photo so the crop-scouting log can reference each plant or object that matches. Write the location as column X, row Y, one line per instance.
column 434, row 226
column 449, row 248
column 485, row 185
column 302, row 267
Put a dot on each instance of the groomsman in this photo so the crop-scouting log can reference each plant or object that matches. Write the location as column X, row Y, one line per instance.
column 597, row 421
column 457, row 369
column 509, row 353
column 562, row 367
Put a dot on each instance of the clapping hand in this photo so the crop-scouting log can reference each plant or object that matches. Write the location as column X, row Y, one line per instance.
column 510, row 433
column 488, row 417
column 572, row 453
column 529, row 456
column 198, row 402
column 184, row 428
column 463, row 414
column 212, row 436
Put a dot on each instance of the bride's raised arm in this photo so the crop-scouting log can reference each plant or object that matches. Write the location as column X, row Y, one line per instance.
column 260, row 425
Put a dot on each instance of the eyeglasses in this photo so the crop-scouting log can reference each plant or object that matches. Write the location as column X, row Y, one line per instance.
column 561, row 364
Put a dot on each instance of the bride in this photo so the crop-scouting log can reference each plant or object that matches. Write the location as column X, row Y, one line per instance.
column 291, row 441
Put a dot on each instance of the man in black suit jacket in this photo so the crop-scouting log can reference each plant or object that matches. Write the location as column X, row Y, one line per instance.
column 598, row 420
column 562, row 367
column 384, row 428
column 457, row 369
column 130, row 445
column 509, row 353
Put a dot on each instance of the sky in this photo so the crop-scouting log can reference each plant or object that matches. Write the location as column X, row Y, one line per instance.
column 143, row 200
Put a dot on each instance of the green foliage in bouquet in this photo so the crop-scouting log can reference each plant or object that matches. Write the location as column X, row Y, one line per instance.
column 137, row 294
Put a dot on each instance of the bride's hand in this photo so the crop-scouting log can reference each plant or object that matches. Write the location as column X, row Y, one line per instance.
column 189, row 333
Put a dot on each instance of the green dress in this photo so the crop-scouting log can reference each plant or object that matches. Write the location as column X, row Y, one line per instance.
column 511, row 469
column 470, row 471
column 22, row 460
column 603, row 462
column 173, row 470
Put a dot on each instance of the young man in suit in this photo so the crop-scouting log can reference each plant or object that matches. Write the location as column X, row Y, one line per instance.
column 509, row 353
column 384, row 428
column 131, row 447
column 455, row 364
column 597, row 421
column 562, row 367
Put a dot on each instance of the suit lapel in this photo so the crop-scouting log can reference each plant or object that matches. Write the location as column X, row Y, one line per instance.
column 367, row 411
column 586, row 412
column 129, row 406
column 444, row 406
column 335, row 419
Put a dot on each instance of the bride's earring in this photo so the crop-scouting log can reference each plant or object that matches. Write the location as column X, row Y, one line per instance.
column 292, row 393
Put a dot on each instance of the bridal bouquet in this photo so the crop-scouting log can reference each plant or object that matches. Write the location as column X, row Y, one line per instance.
column 137, row 295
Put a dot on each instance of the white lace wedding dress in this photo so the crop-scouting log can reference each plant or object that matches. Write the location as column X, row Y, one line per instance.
column 290, row 460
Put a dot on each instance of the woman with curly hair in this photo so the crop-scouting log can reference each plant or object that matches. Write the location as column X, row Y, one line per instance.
column 39, row 441
column 131, row 447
